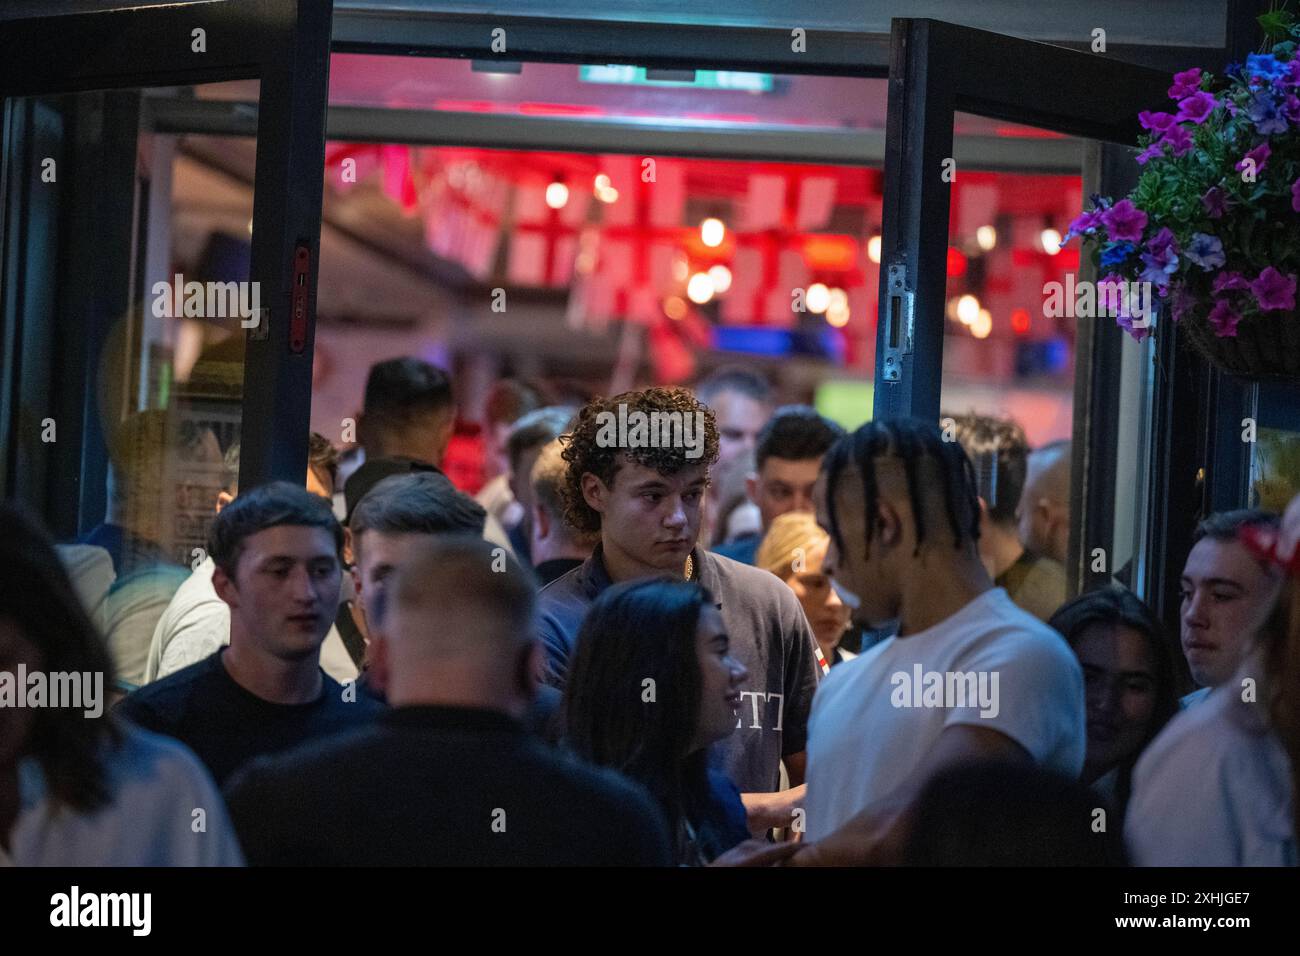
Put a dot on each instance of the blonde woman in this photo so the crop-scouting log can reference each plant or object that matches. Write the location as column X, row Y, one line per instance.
column 793, row 549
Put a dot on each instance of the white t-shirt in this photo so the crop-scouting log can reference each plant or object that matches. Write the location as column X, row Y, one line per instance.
column 196, row 624
column 875, row 718
column 156, row 785
column 1214, row 787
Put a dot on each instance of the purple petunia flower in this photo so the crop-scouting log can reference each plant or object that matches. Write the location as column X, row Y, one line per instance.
column 1206, row 251
column 1264, row 113
column 1196, row 108
column 1085, row 222
column 1179, row 139
column 1291, row 108
column 1151, row 152
column 1157, row 122
column 1124, row 222
column 1228, row 281
column 1259, row 155
column 1273, row 290
column 1295, row 195
column 1159, row 267
column 1215, row 202
column 1185, row 83
column 1162, row 242
column 1223, row 318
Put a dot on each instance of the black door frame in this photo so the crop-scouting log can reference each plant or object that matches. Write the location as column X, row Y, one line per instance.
column 284, row 44
column 1197, row 462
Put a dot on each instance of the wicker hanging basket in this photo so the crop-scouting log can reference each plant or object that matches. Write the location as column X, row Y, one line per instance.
column 1266, row 347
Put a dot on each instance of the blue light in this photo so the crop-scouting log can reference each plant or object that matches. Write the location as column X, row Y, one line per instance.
column 755, row 341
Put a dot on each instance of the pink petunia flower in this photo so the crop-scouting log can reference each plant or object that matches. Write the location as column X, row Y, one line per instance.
column 1274, row 290
column 1227, row 281
column 1157, row 122
column 1179, row 140
column 1259, row 155
column 1124, row 222
column 1196, row 108
column 1185, row 83
column 1223, row 318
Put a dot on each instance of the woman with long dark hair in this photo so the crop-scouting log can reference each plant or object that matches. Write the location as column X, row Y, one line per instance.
column 1128, row 676
column 78, row 787
column 651, row 686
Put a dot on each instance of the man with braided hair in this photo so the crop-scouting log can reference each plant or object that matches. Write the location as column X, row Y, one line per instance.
column 969, row 676
column 638, row 472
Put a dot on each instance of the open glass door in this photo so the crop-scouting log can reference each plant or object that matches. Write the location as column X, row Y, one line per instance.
column 142, row 360
column 951, row 341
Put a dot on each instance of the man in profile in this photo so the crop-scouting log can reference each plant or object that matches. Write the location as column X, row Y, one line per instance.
column 462, row 782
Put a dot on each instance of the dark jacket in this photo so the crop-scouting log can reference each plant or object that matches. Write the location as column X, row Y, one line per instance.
column 440, row 786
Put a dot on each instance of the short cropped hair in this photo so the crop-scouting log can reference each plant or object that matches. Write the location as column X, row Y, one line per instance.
column 998, row 451
column 462, row 572
column 268, row 506
column 796, row 433
column 535, row 429
column 1224, row 525
column 734, row 378
column 550, row 473
column 398, row 390
column 419, row 502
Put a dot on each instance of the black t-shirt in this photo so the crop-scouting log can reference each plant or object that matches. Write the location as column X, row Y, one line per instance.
column 226, row 726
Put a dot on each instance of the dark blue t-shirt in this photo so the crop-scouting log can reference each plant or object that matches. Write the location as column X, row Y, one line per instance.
column 226, row 725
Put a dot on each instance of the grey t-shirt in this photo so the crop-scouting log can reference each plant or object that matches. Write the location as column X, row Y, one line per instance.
column 769, row 635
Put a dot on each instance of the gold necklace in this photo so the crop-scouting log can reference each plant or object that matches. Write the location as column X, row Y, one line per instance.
column 690, row 566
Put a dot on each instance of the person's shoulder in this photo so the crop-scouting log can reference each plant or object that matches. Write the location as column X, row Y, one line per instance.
column 299, row 768
column 350, row 696
column 757, row 584
column 168, row 692
column 565, row 600
column 1000, row 622
column 1213, row 742
column 565, row 772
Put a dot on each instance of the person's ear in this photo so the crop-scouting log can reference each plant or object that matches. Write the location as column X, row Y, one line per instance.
column 889, row 524
column 378, row 664
column 751, row 487
column 541, row 523
column 594, row 492
column 223, row 498
column 348, row 557
column 225, row 587
column 357, row 589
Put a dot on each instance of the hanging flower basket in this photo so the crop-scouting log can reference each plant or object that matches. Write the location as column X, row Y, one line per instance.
column 1212, row 230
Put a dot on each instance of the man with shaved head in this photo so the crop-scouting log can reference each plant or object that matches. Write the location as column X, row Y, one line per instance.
column 449, row 776
column 1044, row 510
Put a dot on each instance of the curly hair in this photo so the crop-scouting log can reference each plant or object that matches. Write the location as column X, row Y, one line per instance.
column 585, row 453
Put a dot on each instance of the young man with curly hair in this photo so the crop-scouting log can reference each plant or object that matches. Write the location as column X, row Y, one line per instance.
column 638, row 471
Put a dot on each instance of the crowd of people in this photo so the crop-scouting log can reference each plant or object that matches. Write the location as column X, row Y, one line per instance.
column 769, row 642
